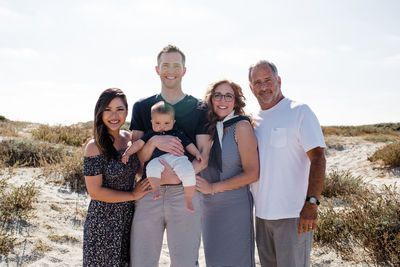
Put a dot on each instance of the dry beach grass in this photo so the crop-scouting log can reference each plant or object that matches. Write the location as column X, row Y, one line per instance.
column 43, row 198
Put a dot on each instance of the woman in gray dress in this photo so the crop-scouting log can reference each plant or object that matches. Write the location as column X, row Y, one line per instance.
column 111, row 185
column 227, row 204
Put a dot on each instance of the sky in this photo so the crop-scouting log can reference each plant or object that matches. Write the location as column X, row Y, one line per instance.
column 340, row 57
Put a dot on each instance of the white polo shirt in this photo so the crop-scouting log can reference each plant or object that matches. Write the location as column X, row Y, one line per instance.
column 285, row 133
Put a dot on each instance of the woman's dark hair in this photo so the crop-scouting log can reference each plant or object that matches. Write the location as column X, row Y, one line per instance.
column 238, row 108
column 103, row 139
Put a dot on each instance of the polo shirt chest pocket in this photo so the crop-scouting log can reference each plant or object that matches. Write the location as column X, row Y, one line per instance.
column 278, row 137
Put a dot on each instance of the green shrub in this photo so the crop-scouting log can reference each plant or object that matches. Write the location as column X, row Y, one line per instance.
column 85, row 125
column 68, row 135
column 376, row 226
column 333, row 231
column 62, row 238
column 70, row 170
column 380, row 138
column 80, row 212
column 7, row 243
column 342, row 183
column 3, row 184
column 12, row 128
column 16, row 203
column 41, row 247
column 2, row 118
column 7, row 129
column 55, row 207
column 389, row 155
column 370, row 220
column 381, row 128
column 89, row 125
column 29, row 153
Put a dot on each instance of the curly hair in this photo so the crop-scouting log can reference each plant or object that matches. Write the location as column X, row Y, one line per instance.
column 102, row 138
column 238, row 108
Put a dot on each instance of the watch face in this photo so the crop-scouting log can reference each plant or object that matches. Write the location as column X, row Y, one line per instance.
column 313, row 200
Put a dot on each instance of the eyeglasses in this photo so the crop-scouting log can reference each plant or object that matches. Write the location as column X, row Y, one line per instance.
column 228, row 97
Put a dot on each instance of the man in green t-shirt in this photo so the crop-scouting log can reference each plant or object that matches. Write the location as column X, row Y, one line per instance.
column 169, row 212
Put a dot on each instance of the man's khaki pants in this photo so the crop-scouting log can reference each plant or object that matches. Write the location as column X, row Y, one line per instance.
column 279, row 244
column 169, row 212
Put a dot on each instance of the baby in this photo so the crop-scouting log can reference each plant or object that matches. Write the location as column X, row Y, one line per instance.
column 162, row 121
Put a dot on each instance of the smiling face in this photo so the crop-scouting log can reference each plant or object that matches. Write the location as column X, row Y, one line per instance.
column 266, row 86
column 221, row 107
column 114, row 114
column 171, row 70
column 162, row 122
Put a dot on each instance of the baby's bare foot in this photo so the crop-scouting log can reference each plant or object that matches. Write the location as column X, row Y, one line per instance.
column 157, row 193
column 189, row 193
column 189, row 205
column 155, row 186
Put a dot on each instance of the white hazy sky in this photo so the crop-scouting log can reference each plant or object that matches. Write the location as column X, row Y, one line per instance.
column 341, row 57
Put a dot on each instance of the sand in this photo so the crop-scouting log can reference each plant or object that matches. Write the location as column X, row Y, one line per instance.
column 53, row 236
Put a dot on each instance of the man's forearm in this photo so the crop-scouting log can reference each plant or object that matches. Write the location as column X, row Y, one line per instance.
column 199, row 166
column 204, row 144
column 317, row 172
column 192, row 149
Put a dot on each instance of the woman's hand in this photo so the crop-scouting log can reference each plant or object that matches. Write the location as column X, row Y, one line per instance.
column 141, row 189
column 203, row 186
column 168, row 176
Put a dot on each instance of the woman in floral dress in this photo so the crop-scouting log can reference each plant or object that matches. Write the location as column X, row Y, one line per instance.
column 110, row 184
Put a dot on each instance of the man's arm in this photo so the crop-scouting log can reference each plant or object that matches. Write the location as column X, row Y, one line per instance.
column 309, row 212
column 204, row 145
column 192, row 149
column 167, row 143
column 136, row 134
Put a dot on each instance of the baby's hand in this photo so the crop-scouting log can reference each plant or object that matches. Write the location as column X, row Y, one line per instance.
column 126, row 155
column 125, row 158
column 199, row 157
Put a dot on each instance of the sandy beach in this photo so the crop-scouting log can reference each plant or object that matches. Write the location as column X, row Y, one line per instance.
column 53, row 236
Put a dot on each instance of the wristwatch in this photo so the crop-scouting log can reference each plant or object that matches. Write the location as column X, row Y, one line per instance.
column 313, row 200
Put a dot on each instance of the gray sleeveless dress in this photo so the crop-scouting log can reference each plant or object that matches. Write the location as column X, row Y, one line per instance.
column 227, row 217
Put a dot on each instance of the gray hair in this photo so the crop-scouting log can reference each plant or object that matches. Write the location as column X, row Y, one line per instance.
column 263, row 63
